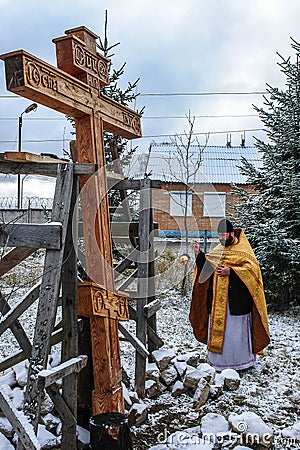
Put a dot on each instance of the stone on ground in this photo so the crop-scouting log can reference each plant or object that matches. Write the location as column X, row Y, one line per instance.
column 138, row 413
column 201, row 394
column 252, row 427
column 213, row 424
column 292, row 432
column 162, row 357
column 231, row 379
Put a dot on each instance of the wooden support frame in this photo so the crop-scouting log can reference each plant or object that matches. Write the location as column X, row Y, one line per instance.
column 146, row 309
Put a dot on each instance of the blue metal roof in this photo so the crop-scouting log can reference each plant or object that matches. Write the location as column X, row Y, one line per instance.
column 219, row 164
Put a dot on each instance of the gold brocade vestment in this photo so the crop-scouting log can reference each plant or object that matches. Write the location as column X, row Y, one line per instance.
column 240, row 257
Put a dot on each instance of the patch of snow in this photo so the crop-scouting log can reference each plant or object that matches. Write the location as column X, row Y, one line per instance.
column 46, row 439
column 5, row 443
column 83, row 435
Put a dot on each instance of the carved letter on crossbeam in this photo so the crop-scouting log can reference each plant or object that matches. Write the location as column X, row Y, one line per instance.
column 74, row 89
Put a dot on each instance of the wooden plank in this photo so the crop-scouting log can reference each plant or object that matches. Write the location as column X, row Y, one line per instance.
column 20, row 425
column 14, row 257
column 152, row 308
column 49, row 294
column 124, row 207
column 126, row 263
column 69, row 320
column 132, row 312
column 26, row 301
column 62, row 408
column 154, row 337
column 46, row 235
column 138, row 345
column 20, row 356
column 128, row 280
column 16, row 328
column 47, row 169
column 32, row 78
column 135, row 185
column 31, row 157
column 142, row 283
column 46, row 377
column 151, row 321
column 132, row 293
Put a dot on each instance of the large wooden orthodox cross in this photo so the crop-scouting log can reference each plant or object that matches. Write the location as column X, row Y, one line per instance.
column 74, row 89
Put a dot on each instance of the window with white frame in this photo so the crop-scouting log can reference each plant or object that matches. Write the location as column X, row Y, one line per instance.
column 214, row 204
column 178, row 201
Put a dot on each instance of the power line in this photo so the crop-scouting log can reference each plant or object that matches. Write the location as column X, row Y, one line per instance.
column 204, row 116
column 176, row 94
column 186, row 94
column 206, row 133
column 143, row 137
column 33, row 118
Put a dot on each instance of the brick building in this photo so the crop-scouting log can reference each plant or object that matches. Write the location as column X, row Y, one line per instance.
column 209, row 194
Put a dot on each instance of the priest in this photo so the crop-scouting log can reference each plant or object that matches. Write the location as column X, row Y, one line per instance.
column 228, row 308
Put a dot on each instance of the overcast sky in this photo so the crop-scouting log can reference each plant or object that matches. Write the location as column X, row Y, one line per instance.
column 190, row 46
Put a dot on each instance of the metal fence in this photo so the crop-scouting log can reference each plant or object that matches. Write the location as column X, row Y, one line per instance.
column 27, row 203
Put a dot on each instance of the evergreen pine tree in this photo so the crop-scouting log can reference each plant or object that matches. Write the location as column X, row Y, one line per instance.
column 271, row 213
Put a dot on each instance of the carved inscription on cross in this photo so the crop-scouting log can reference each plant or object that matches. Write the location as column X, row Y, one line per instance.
column 74, row 89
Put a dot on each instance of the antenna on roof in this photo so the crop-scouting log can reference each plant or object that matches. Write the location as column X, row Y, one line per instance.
column 228, row 140
column 243, row 140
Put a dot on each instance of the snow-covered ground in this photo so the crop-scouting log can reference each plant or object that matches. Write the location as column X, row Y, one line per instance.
column 272, row 391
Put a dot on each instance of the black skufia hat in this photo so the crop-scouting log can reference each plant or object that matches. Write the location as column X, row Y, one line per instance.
column 225, row 226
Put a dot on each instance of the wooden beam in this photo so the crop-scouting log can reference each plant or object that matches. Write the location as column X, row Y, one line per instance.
column 142, row 282
column 127, row 229
column 138, row 345
column 154, row 337
column 16, row 328
column 43, row 168
column 19, row 423
column 20, row 356
column 31, row 157
column 46, row 235
column 62, row 408
column 46, row 377
column 128, row 280
column 48, row 298
column 152, row 308
column 126, row 263
column 135, row 185
column 12, row 315
column 69, row 347
column 132, row 312
column 14, row 257
column 32, row 78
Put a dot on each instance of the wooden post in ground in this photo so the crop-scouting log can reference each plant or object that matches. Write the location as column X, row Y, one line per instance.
column 74, row 89
column 70, row 325
column 143, row 281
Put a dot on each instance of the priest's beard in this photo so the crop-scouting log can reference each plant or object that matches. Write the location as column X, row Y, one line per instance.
column 227, row 242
